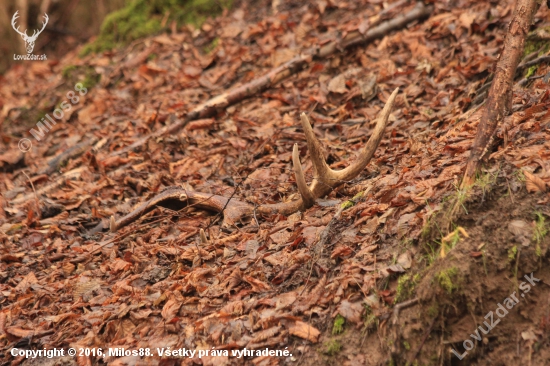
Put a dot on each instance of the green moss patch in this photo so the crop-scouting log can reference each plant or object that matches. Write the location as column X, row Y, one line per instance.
column 447, row 279
column 142, row 18
column 333, row 347
column 85, row 75
column 405, row 286
column 338, row 327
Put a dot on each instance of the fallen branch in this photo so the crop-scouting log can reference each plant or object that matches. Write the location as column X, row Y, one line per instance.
column 70, row 153
column 72, row 174
column 426, row 334
column 221, row 102
column 396, row 347
column 499, row 102
column 523, row 82
column 403, row 305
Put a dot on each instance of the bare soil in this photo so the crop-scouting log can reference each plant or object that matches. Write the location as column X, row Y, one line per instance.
column 486, row 269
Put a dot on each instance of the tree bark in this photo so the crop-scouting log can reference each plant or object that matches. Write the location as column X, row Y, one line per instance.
column 499, row 101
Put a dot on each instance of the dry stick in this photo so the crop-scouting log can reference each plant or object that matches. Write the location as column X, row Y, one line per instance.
column 34, row 190
column 499, row 102
column 525, row 65
column 219, row 103
column 525, row 81
column 426, row 334
column 75, row 173
column 70, row 153
column 397, row 308
column 395, row 315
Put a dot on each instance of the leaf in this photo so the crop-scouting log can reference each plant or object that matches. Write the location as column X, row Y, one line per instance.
column 68, row 268
column 338, row 84
column 234, row 278
column 20, row 332
column 529, row 335
column 140, row 314
column 61, row 317
column 26, row 282
column 7, row 258
column 533, row 183
column 395, row 268
column 341, row 251
column 257, row 285
column 265, row 334
column 405, row 260
column 201, row 124
column 521, row 230
column 405, row 222
column 305, row 331
column 120, row 265
column 170, row 309
column 351, row 311
column 85, row 287
column 311, row 234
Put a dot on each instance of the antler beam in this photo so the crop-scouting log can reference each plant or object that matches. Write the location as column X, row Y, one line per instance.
column 326, row 179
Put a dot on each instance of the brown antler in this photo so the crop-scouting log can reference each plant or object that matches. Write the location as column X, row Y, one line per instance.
column 325, row 180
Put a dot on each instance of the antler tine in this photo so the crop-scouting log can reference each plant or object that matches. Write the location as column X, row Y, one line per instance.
column 326, row 179
column 368, row 152
column 307, row 195
column 314, row 147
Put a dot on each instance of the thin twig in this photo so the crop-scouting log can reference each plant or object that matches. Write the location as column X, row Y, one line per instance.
column 525, row 65
column 34, row 190
column 219, row 214
column 423, row 340
column 525, row 81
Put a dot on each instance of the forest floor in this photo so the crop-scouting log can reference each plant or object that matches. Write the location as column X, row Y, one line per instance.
column 411, row 273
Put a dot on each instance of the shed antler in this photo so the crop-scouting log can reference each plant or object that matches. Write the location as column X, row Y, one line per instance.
column 325, row 180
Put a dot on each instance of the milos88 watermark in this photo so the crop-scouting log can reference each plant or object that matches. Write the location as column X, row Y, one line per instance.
column 47, row 122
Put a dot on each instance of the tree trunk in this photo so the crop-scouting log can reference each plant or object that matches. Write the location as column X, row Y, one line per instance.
column 499, row 101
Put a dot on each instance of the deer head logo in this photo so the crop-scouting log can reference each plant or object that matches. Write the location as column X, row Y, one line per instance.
column 29, row 41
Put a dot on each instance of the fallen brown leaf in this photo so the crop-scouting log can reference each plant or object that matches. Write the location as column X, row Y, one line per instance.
column 533, row 183
column 305, row 331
